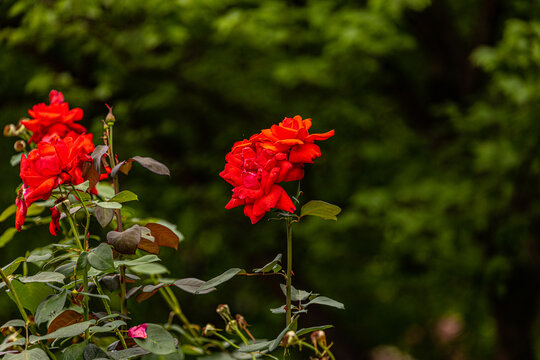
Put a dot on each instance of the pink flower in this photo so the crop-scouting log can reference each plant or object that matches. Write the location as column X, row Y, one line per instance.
column 138, row 331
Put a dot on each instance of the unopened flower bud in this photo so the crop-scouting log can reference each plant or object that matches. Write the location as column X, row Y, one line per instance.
column 20, row 128
column 19, row 146
column 241, row 321
column 9, row 130
column 208, row 330
column 318, row 338
column 110, row 119
column 289, row 339
column 224, row 311
column 232, row 327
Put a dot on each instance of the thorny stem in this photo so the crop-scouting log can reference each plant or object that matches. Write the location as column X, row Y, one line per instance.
column 289, row 270
column 108, row 309
column 118, row 213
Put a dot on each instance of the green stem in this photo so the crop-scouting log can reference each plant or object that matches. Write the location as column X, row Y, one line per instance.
column 173, row 303
column 109, row 312
column 87, row 227
column 118, row 214
column 244, row 340
column 226, row 340
column 289, row 270
column 15, row 296
column 85, row 274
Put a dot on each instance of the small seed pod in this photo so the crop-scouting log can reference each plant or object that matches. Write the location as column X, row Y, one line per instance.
column 110, row 119
column 20, row 128
column 19, row 146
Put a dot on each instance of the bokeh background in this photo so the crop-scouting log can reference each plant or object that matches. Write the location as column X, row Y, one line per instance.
column 435, row 161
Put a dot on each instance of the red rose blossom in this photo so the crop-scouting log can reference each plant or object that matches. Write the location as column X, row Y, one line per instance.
column 54, row 225
column 291, row 135
column 52, row 120
column 48, row 166
column 256, row 166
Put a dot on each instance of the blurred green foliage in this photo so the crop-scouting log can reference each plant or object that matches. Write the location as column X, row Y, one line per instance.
column 435, row 161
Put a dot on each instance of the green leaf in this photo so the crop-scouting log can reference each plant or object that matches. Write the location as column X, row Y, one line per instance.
column 103, row 216
column 323, row 300
column 38, row 258
column 32, row 354
column 158, row 340
column 7, row 236
column 14, row 323
column 82, row 186
column 296, row 295
column 191, row 285
column 311, row 329
column 152, row 165
column 128, row 353
column 109, row 205
column 257, row 346
column 6, row 345
column 124, row 196
column 321, row 209
column 93, row 352
column 105, row 190
column 220, row 279
column 149, row 269
column 15, row 160
column 271, row 265
column 45, row 276
column 146, row 259
column 278, row 310
column 101, row 258
column 277, row 340
column 10, row 210
column 107, row 327
column 65, row 332
column 49, row 308
column 31, row 295
column 12, row 266
column 74, row 352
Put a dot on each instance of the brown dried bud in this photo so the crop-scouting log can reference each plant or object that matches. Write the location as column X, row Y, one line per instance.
column 9, row 130
column 224, row 311
column 318, row 338
column 208, row 330
column 289, row 339
column 241, row 321
column 19, row 146
column 232, row 327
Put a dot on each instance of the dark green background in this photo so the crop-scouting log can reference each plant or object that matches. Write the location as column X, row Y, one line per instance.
column 435, row 161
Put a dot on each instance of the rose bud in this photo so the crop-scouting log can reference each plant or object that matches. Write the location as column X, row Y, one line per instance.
column 289, row 339
column 20, row 128
column 19, row 146
column 232, row 327
column 224, row 312
column 318, row 338
column 9, row 130
column 208, row 330
column 110, row 119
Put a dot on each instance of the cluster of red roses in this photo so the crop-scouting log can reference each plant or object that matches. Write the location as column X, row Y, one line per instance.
column 62, row 148
column 256, row 166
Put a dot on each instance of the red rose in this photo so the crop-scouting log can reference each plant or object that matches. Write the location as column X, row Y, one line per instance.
column 54, row 226
column 52, row 120
column 255, row 166
column 292, row 136
column 254, row 172
column 50, row 165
